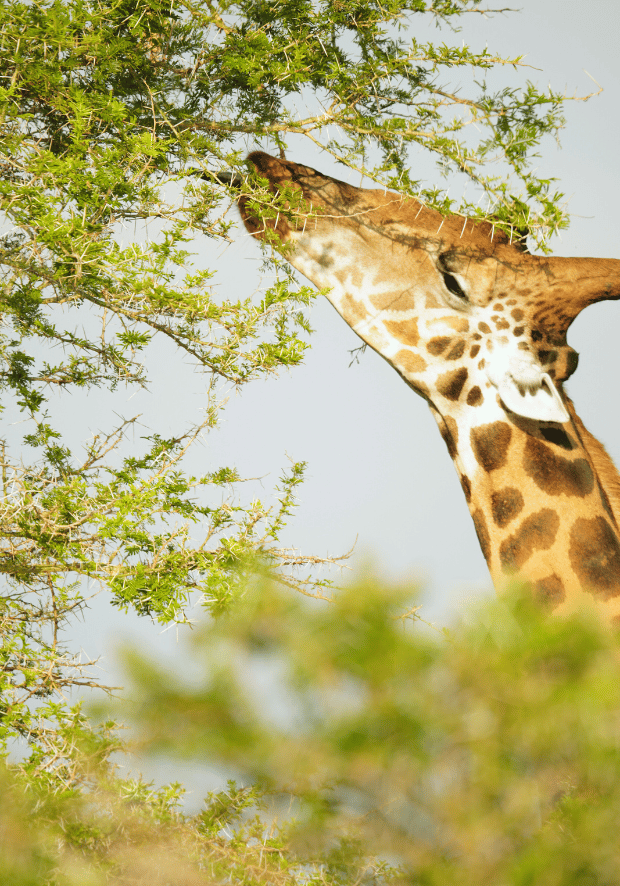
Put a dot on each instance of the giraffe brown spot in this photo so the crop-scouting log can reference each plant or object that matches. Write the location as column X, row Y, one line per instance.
column 555, row 474
column 490, row 444
column 453, row 428
column 595, row 556
column 549, row 591
column 517, row 314
column 409, row 361
column 450, row 433
column 536, row 533
column 459, row 324
column 482, row 532
column 450, row 384
column 351, row 274
column 506, row 504
column 392, row 301
column 551, row 356
column 500, row 323
column 438, row 345
column 352, row 309
column 482, row 326
column 518, row 330
column 474, row 398
column 476, row 336
column 558, row 436
column 513, row 301
column 405, row 331
column 498, row 307
column 474, row 351
column 466, row 484
column 523, row 346
column 536, row 335
column 543, row 355
column 456, row 351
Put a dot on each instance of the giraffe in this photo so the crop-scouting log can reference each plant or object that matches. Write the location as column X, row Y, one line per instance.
column 477, row 326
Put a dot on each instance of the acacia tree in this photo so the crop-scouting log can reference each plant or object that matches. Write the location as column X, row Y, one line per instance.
column 117, row 120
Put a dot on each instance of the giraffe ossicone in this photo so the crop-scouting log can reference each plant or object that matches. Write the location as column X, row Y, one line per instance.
column 477, row 326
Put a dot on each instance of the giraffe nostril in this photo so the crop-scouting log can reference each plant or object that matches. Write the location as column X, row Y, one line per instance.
column 572, row 361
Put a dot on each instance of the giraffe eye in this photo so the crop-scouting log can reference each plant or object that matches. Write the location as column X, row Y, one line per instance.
column 453, row 285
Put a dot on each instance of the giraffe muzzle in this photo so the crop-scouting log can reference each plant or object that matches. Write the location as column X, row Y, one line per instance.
column 525, row 389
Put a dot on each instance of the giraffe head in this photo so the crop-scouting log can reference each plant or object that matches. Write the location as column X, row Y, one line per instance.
column 477, row 326
column 462, row 313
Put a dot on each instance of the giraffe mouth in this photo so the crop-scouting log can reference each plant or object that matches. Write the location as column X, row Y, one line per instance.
column 526, row 390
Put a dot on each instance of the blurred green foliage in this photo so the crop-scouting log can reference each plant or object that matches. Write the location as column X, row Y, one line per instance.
column 378, row 751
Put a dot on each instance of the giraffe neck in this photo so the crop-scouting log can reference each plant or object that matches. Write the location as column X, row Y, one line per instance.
column 542, row 499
